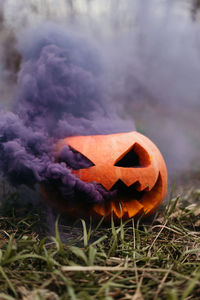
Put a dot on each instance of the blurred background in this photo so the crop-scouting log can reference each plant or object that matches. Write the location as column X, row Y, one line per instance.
column 151, row 54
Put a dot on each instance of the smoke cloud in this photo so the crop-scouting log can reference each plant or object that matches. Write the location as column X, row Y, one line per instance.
column 70, row 73
column 152, row 69
column 60, row 92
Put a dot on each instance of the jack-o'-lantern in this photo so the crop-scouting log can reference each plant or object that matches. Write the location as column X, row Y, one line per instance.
column 127, row 163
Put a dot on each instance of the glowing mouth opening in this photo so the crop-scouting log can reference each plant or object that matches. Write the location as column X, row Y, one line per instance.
column 128, row 201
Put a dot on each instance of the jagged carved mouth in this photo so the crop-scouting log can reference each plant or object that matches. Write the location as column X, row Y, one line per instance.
column 128, row 201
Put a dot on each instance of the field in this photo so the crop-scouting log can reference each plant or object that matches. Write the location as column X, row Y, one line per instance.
column 155, row 259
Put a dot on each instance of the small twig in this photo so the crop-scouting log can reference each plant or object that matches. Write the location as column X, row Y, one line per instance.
column 168, row 228
column 120, row 269
column 161, row 284
column 134, row 249
column 157, row 236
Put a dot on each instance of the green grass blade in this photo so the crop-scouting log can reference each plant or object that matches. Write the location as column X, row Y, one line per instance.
column 79, row 253
column 58, row 239
column 6, row 297
column 191, row 285
column 8, row 281
column 85, row 234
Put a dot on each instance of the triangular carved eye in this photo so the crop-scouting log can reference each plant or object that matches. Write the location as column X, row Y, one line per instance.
column 74, row 159
column 134, row 157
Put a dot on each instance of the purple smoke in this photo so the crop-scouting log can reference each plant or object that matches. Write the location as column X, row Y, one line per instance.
column 60, row 93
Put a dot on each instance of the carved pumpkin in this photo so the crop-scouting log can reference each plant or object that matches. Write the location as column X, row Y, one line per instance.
column 128, row 163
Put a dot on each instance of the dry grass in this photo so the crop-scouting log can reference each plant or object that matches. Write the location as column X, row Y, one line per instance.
column 134, row 260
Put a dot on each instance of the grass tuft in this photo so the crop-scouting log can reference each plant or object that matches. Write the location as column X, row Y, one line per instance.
column 155, row 259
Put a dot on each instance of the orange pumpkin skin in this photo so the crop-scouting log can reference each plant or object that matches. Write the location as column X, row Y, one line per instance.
column 147, row 179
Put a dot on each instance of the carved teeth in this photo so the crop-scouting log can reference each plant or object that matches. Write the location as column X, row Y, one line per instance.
column 141, row 187
column 131, row 207
column 120, row 208
column 137, row 185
